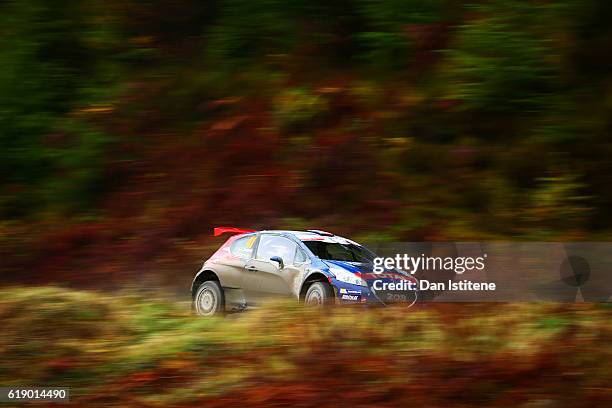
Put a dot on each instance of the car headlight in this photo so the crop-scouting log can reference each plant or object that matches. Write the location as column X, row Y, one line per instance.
column 348, row 277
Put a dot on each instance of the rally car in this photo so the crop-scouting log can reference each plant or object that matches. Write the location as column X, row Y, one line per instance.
column 313, row 266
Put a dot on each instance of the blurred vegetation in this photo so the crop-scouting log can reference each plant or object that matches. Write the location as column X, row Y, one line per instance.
column 138, row 350
column 56, row 59
column 128, row 129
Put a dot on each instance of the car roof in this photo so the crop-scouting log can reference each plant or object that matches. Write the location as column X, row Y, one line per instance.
column 314, row 236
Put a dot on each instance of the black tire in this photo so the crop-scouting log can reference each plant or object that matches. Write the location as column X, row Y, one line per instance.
column 209, row 299
column 319, row 294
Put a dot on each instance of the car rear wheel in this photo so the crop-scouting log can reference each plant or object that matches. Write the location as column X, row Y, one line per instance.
column 319, row 294
column 209, row 299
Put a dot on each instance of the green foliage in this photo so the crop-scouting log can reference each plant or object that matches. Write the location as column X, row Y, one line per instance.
column 262, row 32
column 385, row 39
column 247, row 29
column 502, row 61
column 54, row 60
column 558, row 203
column 295, row 108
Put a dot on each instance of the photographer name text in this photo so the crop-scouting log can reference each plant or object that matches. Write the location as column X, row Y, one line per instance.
column 462, row 285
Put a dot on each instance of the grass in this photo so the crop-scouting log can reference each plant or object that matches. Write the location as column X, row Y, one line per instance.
column 130, row 350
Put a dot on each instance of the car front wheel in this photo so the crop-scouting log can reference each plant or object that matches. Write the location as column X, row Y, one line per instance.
column 209, row 299
column 319, row 294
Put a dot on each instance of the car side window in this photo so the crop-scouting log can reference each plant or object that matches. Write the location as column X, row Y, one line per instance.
column 274, row 245
column 300, row 256
column 243, row 247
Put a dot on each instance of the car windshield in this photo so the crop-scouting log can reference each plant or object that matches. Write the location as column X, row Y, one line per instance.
column 333, row 251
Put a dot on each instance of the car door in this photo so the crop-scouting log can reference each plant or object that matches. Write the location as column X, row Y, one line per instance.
column 231, row 261
column 266, row 278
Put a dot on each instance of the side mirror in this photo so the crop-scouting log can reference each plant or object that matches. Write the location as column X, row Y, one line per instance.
column 278, row 259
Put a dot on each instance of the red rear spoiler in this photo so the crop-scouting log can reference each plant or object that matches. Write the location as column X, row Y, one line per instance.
column 223, row 230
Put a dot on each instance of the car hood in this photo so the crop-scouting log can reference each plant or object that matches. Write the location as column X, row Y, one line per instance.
column 349, row 266
column 365, row 269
